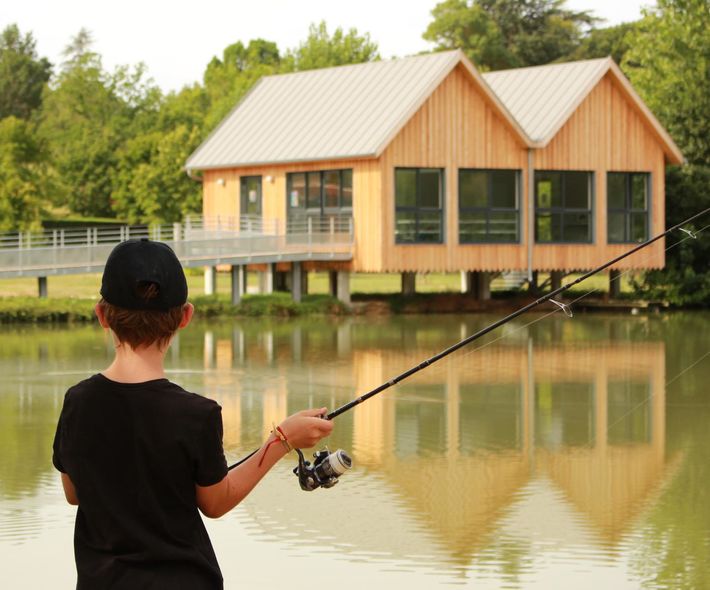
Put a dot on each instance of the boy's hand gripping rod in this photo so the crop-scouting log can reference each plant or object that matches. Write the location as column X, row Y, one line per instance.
column 494, row 325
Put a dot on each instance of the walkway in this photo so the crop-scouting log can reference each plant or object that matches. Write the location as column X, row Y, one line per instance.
column 198, row 241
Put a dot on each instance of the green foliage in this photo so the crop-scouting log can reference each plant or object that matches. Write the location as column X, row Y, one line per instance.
column 151, row 185
column 227, row 80
column 610, row 41
column 23, row 74
column 88, row 114
column 322, row 50
column 685, row 280
column 499, row 34
column 61, row 310
column 40, row 311
column 22, row 175
column 668, row 63
column 276, row 304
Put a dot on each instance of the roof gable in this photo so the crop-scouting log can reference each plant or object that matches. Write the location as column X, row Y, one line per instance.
column 543, row 98
column 334, row 113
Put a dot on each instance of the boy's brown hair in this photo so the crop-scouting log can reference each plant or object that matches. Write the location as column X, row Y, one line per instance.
column 142, row 328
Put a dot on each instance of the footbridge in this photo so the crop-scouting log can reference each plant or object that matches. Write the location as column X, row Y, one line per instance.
column 197, row 241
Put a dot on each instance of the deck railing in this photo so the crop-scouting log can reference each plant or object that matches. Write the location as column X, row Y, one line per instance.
column 197, row 241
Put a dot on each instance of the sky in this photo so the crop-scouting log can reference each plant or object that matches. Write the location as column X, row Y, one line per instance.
column 176, row 39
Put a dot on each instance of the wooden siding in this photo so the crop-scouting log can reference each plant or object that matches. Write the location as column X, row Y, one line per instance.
column 605, row 133
column 224, row 200
column 455, row 128
column 458, row 128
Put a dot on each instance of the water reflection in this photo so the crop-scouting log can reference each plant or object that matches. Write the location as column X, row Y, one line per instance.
column 553, row 436
column 459, row 444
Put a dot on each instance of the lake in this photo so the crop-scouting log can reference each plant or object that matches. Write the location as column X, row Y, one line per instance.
column 554, row 453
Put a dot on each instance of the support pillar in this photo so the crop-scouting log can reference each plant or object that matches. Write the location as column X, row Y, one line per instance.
column 614, row 284
column 296, row 279
column 409, row 283
column 343, row 286
column 482, row 284
column 239, row 283
column 210, row 280
column 42, row 287
column 333, row 283
column 266, row 279
column 555, row 279
column 466, row 281
column 534, row 283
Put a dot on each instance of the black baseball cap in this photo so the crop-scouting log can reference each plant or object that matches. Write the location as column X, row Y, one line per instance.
column 135, row 263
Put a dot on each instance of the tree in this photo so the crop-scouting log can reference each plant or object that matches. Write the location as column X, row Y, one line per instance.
column 321, row 50
column 87, row 116
column 609, row 41
column 498, row 34
column 668, row 63
column 21, row 175
column 23, row 75
column 228, row 79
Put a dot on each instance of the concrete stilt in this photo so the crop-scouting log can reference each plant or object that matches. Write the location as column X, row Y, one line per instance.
column 210, row 280
column 333, row 283
column 481, row 282
column 42, row 287
column 239, row 283
column 534, row 284
column 343, row 286
column 614, row 283
column 466, row 281
column 556, row 279
column 296, row 279
column 266, row 280
column 409, row 283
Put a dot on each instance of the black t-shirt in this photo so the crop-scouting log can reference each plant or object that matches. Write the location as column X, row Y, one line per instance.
column 134, row 452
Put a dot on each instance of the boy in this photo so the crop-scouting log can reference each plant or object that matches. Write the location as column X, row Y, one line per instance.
column 139, row 455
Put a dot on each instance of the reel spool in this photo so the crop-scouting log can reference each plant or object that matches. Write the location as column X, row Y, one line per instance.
column 325, row 470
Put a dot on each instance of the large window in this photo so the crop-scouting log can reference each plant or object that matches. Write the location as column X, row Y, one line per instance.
column 563, row 207
column 418, row 199
column 321, row 192
column 488, row 206
column 627, row 207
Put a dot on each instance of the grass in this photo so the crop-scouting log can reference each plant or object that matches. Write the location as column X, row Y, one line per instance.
column 86, row 286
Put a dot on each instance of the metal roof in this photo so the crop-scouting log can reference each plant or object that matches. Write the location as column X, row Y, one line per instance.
column 542, row 98
column 354, row 111
column 332, row 113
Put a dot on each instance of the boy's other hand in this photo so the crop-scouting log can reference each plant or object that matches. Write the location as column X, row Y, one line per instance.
column 305, row 428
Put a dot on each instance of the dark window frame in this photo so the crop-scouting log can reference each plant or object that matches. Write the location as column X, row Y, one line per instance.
column 416, row 210
column 557, row 210
column 489, row 207
column 628, row 210
column 321, row 210
column 244, row 196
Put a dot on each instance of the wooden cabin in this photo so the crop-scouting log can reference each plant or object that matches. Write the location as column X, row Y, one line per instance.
column 441, row 169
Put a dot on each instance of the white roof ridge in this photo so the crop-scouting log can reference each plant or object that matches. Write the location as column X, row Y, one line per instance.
column 550, row 65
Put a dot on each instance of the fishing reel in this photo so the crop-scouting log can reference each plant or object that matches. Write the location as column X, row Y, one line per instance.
column 325, row 470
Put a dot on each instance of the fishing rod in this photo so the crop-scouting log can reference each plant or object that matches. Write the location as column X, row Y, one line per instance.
column 327, row 467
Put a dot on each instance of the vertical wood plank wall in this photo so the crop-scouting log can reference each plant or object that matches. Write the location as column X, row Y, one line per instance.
column 458, row 128
column 223, row 200
column 605, row 133
column 455, row 128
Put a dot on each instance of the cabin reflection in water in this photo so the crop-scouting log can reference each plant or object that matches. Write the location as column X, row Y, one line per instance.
column 540, row 432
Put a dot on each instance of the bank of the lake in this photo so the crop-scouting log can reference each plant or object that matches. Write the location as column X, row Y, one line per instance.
column 66, row 310
column 34, row 310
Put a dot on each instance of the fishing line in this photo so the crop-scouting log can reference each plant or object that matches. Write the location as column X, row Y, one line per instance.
column 567, row 307
column 324, row 462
